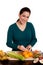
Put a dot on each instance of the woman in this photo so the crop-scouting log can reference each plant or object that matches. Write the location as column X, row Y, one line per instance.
column 21, row 35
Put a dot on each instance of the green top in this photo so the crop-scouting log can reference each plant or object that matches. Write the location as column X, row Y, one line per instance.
column 17, row 37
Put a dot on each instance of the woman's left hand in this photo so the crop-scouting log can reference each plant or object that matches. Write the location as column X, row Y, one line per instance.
column 29, row 47
column 22, row 48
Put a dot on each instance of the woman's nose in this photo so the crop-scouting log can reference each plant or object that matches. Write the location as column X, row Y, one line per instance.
column 26, row 19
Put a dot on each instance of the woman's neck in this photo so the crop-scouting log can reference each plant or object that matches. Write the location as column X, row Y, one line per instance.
column 19, row 22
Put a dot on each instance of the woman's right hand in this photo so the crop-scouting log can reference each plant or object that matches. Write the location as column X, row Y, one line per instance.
column 22, row 48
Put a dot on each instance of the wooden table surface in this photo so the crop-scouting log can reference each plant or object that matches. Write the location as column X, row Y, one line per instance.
column 18, row 62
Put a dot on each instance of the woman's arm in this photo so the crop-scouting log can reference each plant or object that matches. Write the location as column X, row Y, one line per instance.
column 33, row 39
column 10, row 42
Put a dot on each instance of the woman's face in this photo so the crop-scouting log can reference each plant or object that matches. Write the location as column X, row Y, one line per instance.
column 24, row 17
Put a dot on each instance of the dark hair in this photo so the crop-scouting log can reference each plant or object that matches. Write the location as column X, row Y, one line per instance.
column 23, row 10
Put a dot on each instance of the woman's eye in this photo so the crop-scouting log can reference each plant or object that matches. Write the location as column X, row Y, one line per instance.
column 23, row 15
column 27, row 17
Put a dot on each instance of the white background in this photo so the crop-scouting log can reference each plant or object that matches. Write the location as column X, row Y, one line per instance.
column 9, row 10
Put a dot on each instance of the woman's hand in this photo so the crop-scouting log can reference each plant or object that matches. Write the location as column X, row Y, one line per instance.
column 29, row 47
column 22, row 48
